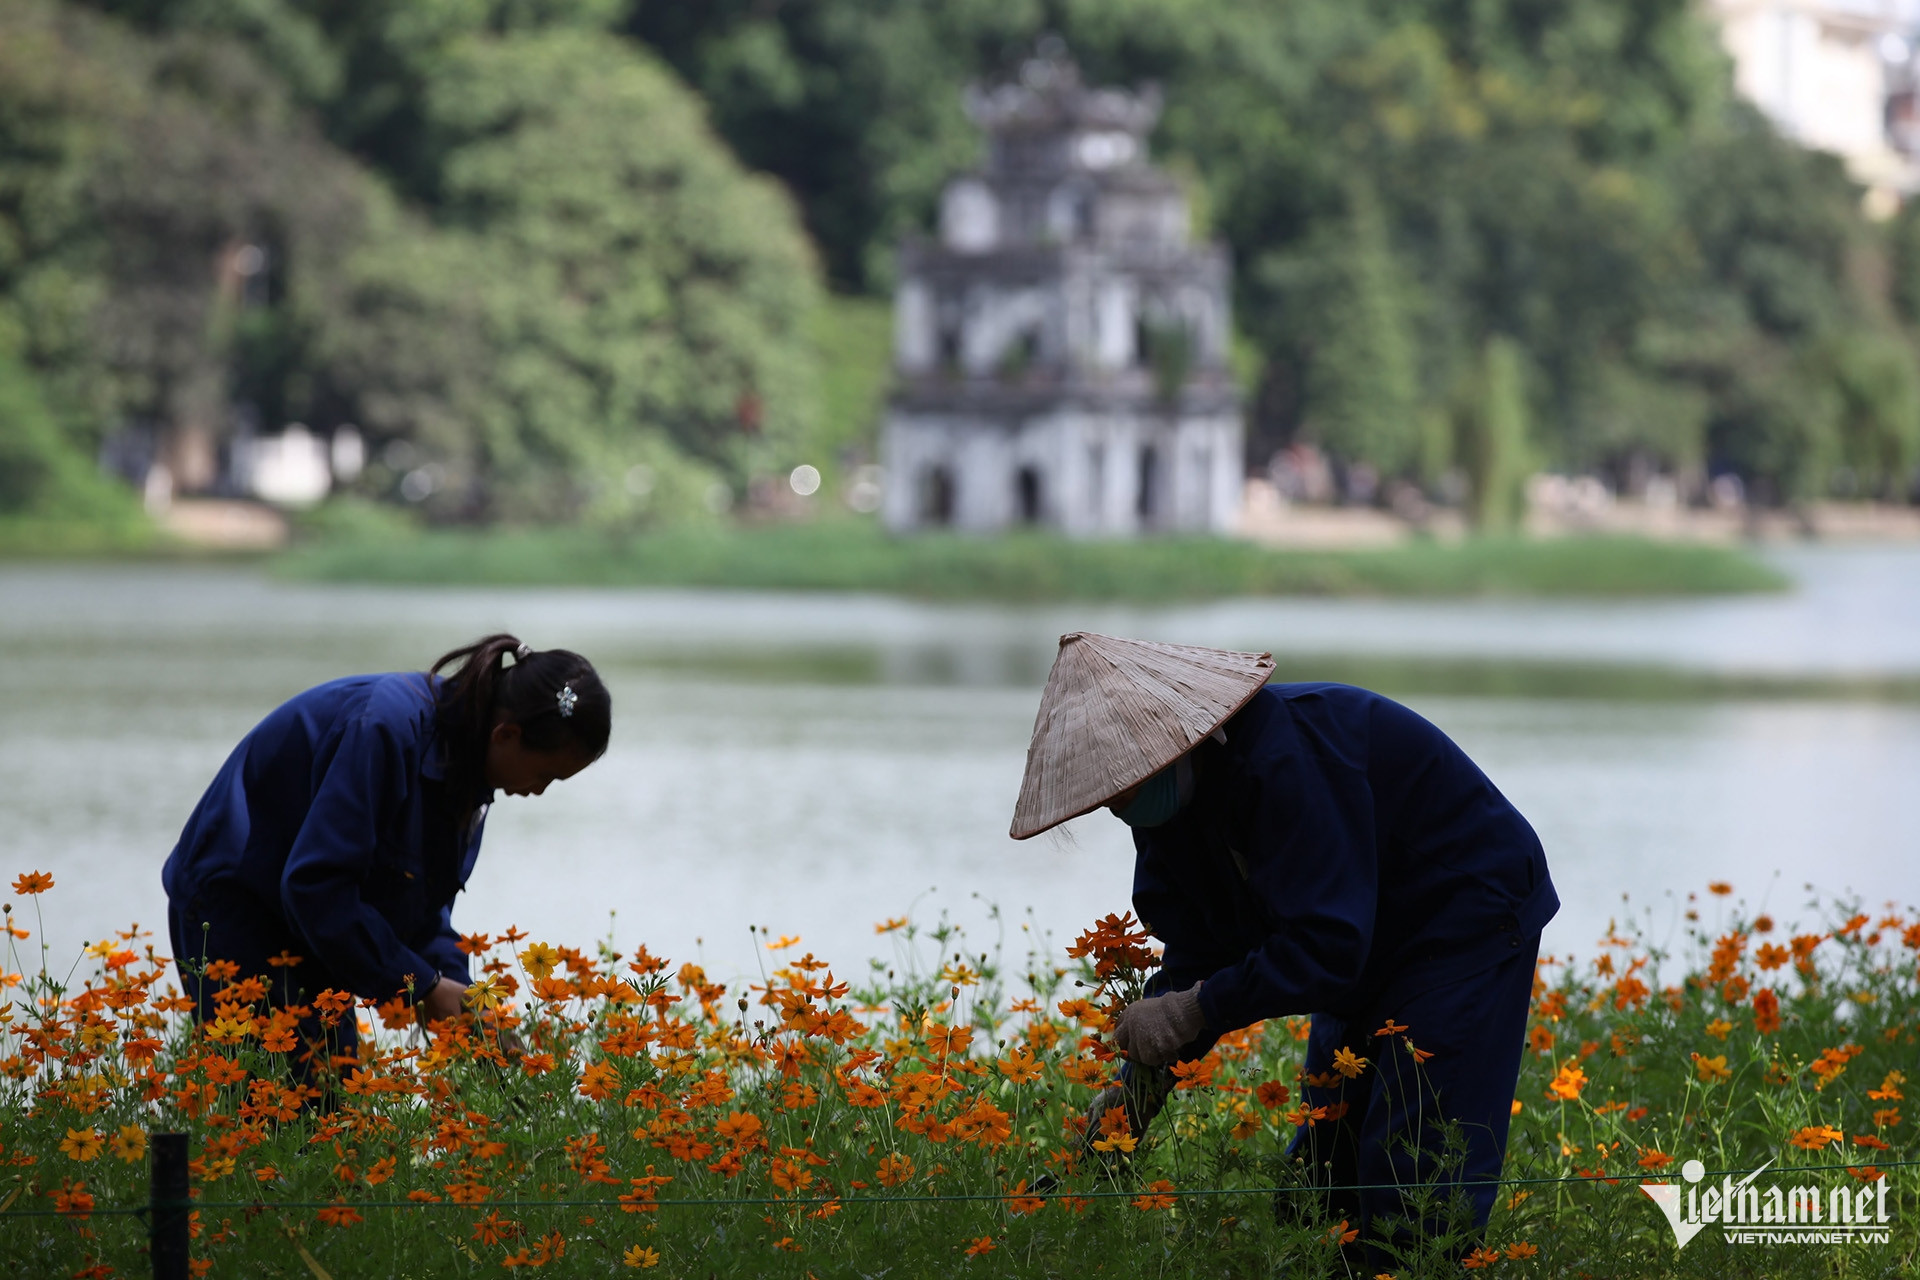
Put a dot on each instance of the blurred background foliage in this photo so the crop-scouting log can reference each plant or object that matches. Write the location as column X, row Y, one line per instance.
column 611, row 259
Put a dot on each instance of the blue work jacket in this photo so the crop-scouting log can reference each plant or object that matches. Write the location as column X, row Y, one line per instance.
column 1338, row 854
column 334, row 812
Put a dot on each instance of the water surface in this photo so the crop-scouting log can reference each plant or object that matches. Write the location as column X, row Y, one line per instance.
column 816, row 763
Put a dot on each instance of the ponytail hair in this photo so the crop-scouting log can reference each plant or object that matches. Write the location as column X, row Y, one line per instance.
column 484, row 690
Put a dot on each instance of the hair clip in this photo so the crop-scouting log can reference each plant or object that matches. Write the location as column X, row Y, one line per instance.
column 521, row 652
column 566, row 698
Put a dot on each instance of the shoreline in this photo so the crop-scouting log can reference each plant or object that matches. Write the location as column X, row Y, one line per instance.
column 856, row 556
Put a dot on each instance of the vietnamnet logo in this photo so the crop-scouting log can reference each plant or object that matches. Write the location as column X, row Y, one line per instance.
column 1780, row 1215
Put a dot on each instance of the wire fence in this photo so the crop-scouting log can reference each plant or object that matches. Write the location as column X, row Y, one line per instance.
column 170, row 1204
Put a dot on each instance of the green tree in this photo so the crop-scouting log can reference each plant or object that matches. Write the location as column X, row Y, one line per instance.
column 1363, row 381
column 140, row 174
column 42, row 474
column 1494, row 437
column 566, row 299
column 602, row 278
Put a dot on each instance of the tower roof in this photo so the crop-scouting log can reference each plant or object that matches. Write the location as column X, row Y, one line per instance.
column 1050, row 97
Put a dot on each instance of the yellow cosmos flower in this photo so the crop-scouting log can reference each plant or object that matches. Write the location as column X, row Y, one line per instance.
column 130, row 1143
column 488, row 993
column 82, row 1144
column 540, row 960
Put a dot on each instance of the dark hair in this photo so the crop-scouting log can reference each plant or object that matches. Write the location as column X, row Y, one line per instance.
column 483, row 691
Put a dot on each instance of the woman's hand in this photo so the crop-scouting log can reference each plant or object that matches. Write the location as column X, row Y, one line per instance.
column 442, row 1001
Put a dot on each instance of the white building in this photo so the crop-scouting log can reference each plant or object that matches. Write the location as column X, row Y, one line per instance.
column 1061, row 350
column 1836, row 75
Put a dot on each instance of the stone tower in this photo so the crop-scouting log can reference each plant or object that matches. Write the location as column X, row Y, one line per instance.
column 1061, row 350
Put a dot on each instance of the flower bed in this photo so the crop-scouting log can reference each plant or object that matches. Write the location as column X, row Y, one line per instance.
column 600, row 1110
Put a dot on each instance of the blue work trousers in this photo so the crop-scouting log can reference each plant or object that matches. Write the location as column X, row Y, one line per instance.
column 1393, row 1134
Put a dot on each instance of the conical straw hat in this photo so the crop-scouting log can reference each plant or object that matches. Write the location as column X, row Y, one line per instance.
column 1116, row 712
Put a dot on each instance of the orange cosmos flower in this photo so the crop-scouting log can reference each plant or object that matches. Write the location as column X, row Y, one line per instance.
column 1832, row 1062
column 1157, row 1196
column 1022, row 1203
column 1195, row 1075
column 598, row 1080
column 983, row 1245
column 1654, row 1159
column 73, row 1200
column 1567, row 1083
column 1719, row 888
column 739, row 1128
column 1341, row 1233
column 1020, row 1066
column 1521, row 1249
column 888, row 926
column 1347, row 1063
column 1766, row 1011
column 637, row 1256
column 1391, row 1029
column 224, row 1070
column 1272, row 1094
column 1480, row 1258
column 894, row 1169
column 789, row 1174
column 1889, row 1090
column 31, row 882
column 1712, row 1070
column 1816, row 1136
column 1114, row 1133
column 339, row 1214
column 948, row 1041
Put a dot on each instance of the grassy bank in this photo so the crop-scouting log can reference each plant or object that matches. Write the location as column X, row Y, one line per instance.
column 927, row 1121
column 34, row 537
column 856, row 556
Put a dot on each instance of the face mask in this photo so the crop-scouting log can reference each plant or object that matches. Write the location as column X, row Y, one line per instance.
column 1160, row 797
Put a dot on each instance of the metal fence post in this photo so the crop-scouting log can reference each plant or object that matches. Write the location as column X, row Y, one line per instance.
column 169, row 1204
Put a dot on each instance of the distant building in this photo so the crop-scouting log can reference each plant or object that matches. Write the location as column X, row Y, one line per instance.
column 1836, row 75
column 1061, row 351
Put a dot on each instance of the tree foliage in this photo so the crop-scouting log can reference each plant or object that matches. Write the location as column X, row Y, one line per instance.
column 498, row 238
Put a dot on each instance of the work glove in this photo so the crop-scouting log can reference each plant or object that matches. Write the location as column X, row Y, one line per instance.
column 1153, row 1031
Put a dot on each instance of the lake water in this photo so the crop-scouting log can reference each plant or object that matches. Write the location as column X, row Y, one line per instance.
column 815, row 763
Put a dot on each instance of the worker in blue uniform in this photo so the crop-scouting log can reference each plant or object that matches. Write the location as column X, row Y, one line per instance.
column 328, row 850
column 1311, row 849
